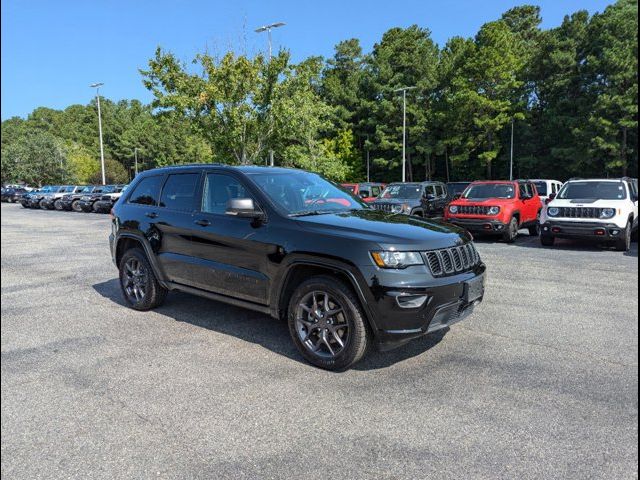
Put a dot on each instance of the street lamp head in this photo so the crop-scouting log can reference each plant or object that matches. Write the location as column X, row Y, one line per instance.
column 96, row 85
column 402, row 89
column 264, row 28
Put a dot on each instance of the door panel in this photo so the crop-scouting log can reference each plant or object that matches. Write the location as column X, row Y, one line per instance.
column 231, row 253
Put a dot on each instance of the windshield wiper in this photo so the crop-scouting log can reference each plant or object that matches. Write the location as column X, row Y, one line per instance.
column 310, row 212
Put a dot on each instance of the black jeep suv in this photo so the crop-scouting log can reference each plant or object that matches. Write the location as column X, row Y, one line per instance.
column 295, row 246
column 423, row 199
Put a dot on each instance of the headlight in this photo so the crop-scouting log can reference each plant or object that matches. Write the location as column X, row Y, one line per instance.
column 553, row 211
column 388, row 259
column 607, row 213
column 396, row 208
column 453, row 209
column 494, row 210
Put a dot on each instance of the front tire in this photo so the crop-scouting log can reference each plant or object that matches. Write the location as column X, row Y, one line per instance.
column 624, row 244
column 42, row 205
column 327, row 323
column 58, row 205
column 139, row 285
column 75, row 206
column 512, row 231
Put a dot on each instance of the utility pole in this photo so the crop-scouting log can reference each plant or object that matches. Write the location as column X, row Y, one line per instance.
column 267, row 28
column 97, row 87
column 511, row 162
column 368, row 164
column 135, row 156
column 404, row 130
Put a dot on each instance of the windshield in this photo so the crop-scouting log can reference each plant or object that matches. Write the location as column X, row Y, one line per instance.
column 593, row 190
column 490, row 190
column 402, row 191
column 50, row 189
column 457, row 188
column 541, row 187
column 87, row 189
column 108, row 189
column 305, row 193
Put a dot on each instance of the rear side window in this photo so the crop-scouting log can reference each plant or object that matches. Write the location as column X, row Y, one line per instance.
column 218, row 189
column 439, row 191
column 147, row 191
column 179, row 191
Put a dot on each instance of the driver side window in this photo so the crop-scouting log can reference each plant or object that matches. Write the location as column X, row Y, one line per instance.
column 218, row 190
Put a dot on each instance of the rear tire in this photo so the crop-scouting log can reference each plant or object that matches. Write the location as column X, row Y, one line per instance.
column 547, row 240
column 512, row 231
column 58, row 205
column 534, row 230
column 75, row 206
column 140, row 287
column 624, row 244
column 316, row 331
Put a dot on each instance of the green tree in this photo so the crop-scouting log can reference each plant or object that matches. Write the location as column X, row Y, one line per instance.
column 36, row 158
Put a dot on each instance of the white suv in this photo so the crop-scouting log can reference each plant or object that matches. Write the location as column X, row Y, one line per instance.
column 547, row 189
column 605, row 210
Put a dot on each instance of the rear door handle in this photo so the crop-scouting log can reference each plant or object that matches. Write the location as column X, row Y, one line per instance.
column 202, row 223
column 151, row 214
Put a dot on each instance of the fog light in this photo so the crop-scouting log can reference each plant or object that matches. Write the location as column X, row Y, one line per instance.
column 615, row 232
column 411, row 301
column 487, row 226
column 546, row 229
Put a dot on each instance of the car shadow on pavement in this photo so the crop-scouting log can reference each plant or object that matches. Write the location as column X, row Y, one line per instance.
column 258, row 328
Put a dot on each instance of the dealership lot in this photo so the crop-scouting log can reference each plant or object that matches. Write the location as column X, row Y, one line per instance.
column 540, row 382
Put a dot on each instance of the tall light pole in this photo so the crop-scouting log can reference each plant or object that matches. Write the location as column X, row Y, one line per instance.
column 267, row 28
column 404, row 129
column 511, row 162
column 97, row 87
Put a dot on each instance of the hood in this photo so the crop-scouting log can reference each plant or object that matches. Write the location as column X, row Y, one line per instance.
column 387, row 230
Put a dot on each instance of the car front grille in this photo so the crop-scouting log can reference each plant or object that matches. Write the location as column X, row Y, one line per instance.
column 385, row 207
column 473, row 210
column 451, row 261
column 579, row 212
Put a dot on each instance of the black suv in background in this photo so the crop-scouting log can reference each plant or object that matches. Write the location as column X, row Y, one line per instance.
column 456, row 189
column 71, row 201
column 295, row 246
column 87, row 201
column 423, row 199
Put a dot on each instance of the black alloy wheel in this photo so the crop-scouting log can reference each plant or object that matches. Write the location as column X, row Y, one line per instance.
column 327, row 323
column 140, row 288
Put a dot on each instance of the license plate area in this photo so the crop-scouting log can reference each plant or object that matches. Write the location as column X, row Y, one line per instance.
column 474, row 289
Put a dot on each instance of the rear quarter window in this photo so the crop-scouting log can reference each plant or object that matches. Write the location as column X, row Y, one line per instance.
column 179, row 191
column 147, row 192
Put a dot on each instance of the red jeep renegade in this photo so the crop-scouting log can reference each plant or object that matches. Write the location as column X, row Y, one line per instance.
column 498, row 208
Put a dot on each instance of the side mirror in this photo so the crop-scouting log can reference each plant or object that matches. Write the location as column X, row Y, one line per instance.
column 242, row 207
column 549, row 198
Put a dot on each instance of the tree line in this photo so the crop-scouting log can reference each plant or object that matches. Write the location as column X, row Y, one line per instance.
column 568, row 95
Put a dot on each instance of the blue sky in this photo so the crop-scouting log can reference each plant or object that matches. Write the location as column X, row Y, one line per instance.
column 52, row 50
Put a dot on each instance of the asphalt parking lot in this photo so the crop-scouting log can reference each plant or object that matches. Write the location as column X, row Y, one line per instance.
column 541, row 382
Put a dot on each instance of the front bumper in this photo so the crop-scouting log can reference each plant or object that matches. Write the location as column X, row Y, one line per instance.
column 479, row 225
column 102, row 206
column 86, row 206
column 582, row 230
column 446, row 303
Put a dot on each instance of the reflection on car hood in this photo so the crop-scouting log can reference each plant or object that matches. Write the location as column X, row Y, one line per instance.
column 387, row 229
column 396, row 200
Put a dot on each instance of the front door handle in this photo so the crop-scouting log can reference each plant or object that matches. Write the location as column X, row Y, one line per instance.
column 203, row 223
column 151, row 214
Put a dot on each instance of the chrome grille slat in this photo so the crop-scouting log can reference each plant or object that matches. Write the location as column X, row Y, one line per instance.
column 451, row 261
column 473, row 210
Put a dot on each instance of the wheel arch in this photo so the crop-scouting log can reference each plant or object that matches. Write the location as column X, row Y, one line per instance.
column 299, row 270
column 127, row 241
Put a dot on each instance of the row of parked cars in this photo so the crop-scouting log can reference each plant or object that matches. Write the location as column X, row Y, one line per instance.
column 77, row 198
column 605, row 210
